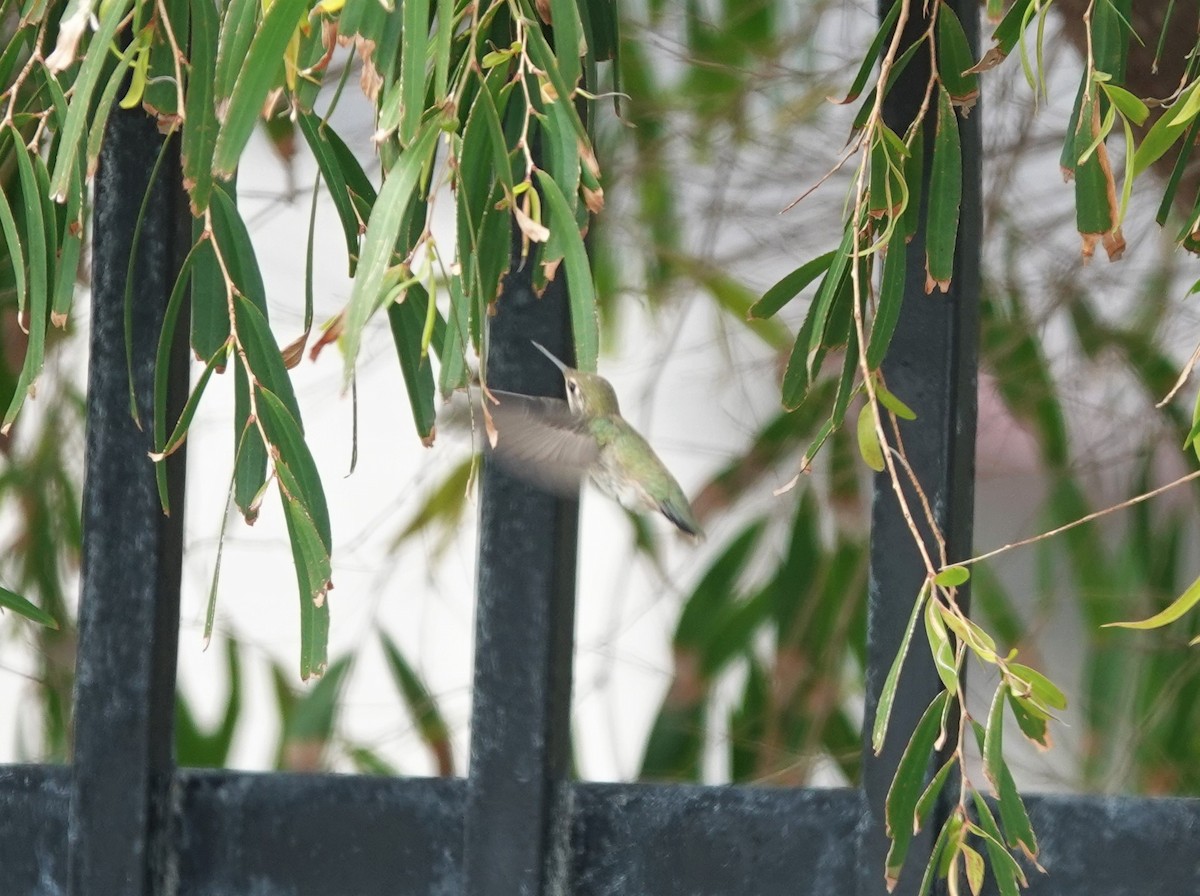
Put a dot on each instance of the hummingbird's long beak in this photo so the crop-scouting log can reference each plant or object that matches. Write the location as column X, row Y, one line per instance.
column 545, row 351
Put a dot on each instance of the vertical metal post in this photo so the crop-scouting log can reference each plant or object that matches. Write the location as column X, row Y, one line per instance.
column 517, row 815
column 129, row 608
column 932, row 365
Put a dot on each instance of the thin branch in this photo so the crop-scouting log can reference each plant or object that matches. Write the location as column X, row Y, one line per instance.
column 1137, row 499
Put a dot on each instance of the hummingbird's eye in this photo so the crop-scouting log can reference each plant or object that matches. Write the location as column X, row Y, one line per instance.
column 572, row 387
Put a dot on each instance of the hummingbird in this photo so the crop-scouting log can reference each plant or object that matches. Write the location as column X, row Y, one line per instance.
column 556, row 444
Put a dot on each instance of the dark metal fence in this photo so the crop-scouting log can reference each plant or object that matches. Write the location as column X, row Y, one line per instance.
column 123, row 819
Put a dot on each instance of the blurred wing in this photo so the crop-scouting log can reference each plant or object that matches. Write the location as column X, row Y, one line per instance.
column 541, row 441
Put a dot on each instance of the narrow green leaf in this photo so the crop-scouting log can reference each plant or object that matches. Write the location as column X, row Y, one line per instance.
column 441, row 49
column 832, row 289
column 1008, row 874
column 931, row 793
column 237, row 31
column 914, row 178
column 1015, row 820
column 387, row 215
column 891, row 298
column 568, row 36
column 327, row 161
column 454, row 374
column 179, row 433
column 131, row 281
column 585, row 326
column 237, row 249
column 909, row 783
column 10, row 600
column 78, row 116
column 954, row 59
column 421, row 706
column 1175, row 610
column 70, row 246
column 285, row 433
column 312, row 576
column 1006, row 35
column 945, row 196
column 864, row 110
column 250, row 458
column 846, row 382
column 313, row 568
column 1169, row 127
column 264, row 356
column 868, row 439
column 200, row 132
column 871, row 56
column 104, row 106
column 414, row 41
column 35, row 232
column 940, row 647
column 993, row 738
column 936, row 857
column 543, row 57
column 791, row 286
column 210, row 613
column 561, row 149
column 406, row 319
column 162, row 367
column 16, row 255
column 258, row 73
column 887, row 694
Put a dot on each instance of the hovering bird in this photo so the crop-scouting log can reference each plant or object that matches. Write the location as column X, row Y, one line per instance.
column 555, row 444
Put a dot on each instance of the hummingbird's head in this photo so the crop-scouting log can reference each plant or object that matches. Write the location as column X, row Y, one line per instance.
column 588, row 394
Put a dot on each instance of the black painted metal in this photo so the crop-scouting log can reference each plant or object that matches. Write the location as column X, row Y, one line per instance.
column 932, row 365
column 676, row 840
column 318, row 835
column 129, row 608
column 313, row 835
column 123, row 820
column 518, row 813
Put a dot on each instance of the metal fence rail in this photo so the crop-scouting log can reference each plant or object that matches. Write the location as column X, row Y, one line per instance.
column 123, row 820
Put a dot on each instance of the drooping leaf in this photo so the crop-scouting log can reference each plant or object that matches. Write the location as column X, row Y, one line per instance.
column 944, row 660
column 387, row 216
column 256, row 75
column 421, row 706
column 791, row 286
column 887, row 694
column 1175, row 610
column 200, row 135
column 909, row 783
column 111, row 16
column 584, row 324
column 10, row 600
column 955, row 59
column 405, row 319
column 945, row 196
column 414, row 41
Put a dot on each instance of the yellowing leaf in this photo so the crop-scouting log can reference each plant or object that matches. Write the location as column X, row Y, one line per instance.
column 1179, row 606
column 868, row 440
